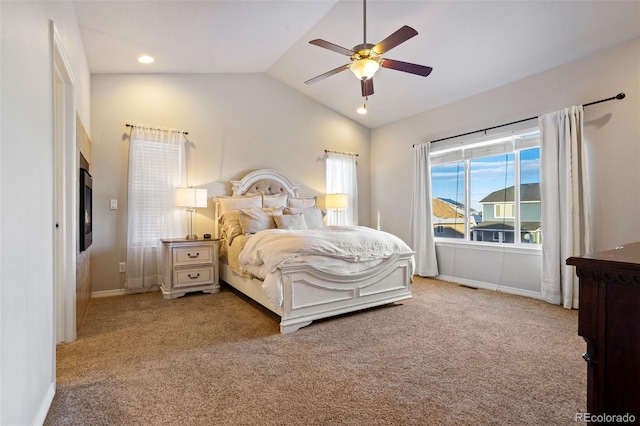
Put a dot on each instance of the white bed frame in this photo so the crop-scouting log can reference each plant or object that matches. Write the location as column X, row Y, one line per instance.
column 310, row 294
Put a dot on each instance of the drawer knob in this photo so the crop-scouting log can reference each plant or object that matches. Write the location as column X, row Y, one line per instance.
column 193, row 256
column 194, row 278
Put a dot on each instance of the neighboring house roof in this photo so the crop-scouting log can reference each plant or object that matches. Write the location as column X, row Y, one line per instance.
column 529, row 192
column 453, row 202
column 445, row 209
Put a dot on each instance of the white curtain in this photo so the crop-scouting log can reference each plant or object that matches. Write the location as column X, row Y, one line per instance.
column 564, row 196
column 156, row 169
column 342, row 178
column 422, row 240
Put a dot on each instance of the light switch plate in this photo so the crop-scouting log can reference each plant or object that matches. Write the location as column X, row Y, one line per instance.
column 113, row 204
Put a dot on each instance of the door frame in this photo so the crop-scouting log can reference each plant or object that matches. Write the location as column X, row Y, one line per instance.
column 65, row 201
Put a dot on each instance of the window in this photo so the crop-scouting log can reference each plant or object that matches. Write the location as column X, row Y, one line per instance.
column 156, row 168
column 342, row 178
column 449, row 214
column 488, row 190
column 504, row 211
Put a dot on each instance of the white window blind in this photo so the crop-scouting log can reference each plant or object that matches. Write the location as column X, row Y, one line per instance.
column 156, row 170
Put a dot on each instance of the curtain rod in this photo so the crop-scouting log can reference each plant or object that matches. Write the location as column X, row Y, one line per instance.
column 618, row 96
column 158, row 128
column 340, row 152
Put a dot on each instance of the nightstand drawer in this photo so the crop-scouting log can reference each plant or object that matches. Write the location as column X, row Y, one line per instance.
column 192, row 276
column 192, row 255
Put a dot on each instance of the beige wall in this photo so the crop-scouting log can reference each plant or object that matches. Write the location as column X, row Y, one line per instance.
column 27, row 329
column 612, row 133
column 236, row 124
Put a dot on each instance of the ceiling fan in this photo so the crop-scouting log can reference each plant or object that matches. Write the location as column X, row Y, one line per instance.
column 366, row 58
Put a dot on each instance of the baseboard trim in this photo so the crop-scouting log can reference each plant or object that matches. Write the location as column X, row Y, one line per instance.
column 489, row 286
column 121, row 292
column 46, row 405
column 109, row 293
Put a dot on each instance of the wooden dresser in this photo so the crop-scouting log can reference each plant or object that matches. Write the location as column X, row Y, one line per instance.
column 609, row 321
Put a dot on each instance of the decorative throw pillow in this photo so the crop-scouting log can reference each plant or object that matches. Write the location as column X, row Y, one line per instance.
column 256, row 219
column 230, row 225
column 313, row 216
column 279, row 200
column 227, row 204
column 290, row 221
column 301, row 202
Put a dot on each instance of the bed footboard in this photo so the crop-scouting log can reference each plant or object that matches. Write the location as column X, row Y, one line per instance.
column 310, row 294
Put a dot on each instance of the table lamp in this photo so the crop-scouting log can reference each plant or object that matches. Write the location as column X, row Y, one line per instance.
column 191, row 198
column 336, row 202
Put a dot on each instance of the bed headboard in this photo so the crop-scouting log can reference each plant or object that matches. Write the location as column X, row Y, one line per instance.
column 268, row 181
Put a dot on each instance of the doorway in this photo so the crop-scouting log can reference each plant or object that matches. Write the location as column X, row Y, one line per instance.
column 65, row 181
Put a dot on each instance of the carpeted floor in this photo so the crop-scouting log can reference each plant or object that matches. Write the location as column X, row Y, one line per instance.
column 449, row 356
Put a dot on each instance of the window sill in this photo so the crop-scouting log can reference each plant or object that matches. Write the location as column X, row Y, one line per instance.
column 486, row 246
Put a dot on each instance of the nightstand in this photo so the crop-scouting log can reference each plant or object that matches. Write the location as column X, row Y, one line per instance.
column 189, row 265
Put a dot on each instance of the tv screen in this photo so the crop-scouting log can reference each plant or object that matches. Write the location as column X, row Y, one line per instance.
column 86, row 223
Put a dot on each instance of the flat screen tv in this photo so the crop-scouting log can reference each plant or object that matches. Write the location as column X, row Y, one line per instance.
column 86, row 224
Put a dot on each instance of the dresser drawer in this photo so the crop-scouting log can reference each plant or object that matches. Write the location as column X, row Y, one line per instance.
column 194, row 255
column 192, row 276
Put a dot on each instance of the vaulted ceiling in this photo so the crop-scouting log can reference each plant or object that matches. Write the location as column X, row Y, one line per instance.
column 473, row 46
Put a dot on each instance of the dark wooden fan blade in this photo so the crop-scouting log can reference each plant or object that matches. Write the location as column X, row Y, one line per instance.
column 367, row 87
column 407, row 67
column 331, row 46
column 400, row 36
column 327, row 74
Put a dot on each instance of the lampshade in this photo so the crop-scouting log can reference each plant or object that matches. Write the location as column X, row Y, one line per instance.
column 336, row 201
column 191, row 197
column 364, row 68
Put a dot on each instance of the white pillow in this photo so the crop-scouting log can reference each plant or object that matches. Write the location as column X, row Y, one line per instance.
column 256, row 219
column 313, row 216
column 290, row 221
column 275, row 200
column 236, row 203
column 301, row 202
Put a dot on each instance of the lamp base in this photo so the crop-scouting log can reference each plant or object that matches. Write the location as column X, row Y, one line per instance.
column 191, row 235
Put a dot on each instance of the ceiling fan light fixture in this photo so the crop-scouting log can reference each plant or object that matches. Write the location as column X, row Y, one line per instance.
column 364, row 68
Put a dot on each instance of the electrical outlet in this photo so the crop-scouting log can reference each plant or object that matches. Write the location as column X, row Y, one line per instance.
column 122, row 267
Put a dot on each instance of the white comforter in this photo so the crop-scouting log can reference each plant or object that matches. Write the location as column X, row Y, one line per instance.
column 335, row 249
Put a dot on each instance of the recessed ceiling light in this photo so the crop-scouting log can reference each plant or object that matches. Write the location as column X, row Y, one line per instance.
column 144, row 59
